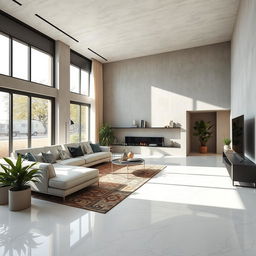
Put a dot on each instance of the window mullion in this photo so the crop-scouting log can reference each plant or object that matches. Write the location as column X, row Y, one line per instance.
column 29, row 121
column 10, row 123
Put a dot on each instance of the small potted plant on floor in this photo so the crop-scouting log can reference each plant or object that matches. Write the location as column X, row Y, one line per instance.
column 227, row 142
column 203, row 130
column 18, row 175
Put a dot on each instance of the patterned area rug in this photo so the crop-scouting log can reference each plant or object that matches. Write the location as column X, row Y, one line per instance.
column 113, row 188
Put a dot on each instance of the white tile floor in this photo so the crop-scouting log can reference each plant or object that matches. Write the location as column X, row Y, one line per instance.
column 188, row 209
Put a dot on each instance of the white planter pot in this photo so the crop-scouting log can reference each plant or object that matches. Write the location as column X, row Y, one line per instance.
column 19, row 200
column 4, row 195
column 226, row 147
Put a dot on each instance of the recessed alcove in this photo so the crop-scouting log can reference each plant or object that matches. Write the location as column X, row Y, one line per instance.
column 220, row 120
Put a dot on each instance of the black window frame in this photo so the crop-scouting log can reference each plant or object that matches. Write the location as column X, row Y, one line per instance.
column 80, row 118
column 30, row 96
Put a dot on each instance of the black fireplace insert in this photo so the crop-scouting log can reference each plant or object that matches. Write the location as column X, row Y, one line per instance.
column 144, row 141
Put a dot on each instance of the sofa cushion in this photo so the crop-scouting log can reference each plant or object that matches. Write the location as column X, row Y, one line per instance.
column 77, row 161
column 48, row 157
column 95, row 148
column 54, row 150
column 96, row 156
column 64, row 154
column 86, row 147
column 39, row 157
column 75, row 151
column 68, row 176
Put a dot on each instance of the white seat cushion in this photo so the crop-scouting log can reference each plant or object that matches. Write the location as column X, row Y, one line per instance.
column 96, row 156
column 69, row 176
column 76, row 161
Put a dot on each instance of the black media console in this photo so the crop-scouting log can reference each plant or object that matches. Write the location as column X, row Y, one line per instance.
column 240, row 169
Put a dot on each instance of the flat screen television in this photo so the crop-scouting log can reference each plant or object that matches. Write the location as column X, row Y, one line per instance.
column 238, row 135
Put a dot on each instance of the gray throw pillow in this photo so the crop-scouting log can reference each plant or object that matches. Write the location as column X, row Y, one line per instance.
column 95, row 148
column 87, row 147
column 39, row 157
column 49, row 158
column 63, row 154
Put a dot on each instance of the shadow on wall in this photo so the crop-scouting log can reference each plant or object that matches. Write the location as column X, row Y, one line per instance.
column 250, row 138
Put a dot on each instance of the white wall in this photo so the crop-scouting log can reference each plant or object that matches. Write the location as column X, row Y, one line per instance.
column 162, row 87
column 243, row 72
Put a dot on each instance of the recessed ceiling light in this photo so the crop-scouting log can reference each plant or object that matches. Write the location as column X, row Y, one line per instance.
column 97, row 54
column 48, row 22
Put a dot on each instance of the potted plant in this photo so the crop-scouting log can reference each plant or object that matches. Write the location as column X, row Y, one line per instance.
column 106, row 135
column 203, row 130
column 18, row 176
column 227, row 142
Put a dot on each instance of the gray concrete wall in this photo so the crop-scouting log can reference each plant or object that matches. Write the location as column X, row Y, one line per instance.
column 163, row 87
column 243, row 74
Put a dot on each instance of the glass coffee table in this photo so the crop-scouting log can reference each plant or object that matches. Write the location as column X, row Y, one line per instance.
column 131, row 162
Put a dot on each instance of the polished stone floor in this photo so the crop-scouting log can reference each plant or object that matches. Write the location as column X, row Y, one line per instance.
column 188, row 209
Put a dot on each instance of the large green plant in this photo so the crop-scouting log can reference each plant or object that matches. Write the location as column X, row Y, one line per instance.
column 18, row 175
column 106, row 135
column 203, row 130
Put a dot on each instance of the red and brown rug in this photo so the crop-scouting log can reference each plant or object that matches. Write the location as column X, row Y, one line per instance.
column 113, row 188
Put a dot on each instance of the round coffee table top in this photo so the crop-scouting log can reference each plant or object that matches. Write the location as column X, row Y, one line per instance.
column 133, row 161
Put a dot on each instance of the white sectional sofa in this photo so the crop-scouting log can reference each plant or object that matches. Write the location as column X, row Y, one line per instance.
column 65, row 177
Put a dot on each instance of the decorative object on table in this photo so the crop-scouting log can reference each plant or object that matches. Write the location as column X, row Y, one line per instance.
column 124, row 157
column 142, row 123
column 227, row 142
column 106, row 135
column 18, row 176
column 130, row 155
column 203, row 130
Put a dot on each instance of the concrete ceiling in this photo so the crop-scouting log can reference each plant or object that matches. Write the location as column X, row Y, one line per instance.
column 122, row 29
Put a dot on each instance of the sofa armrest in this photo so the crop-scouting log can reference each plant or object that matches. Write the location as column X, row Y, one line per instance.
column 105, row 148
column 46, row 172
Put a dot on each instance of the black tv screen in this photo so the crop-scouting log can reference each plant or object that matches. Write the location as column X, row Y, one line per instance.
column 238, row 135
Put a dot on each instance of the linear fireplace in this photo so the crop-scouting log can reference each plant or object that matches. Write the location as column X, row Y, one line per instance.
column 144, row 141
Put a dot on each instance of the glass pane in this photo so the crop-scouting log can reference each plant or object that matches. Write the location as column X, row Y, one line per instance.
column 74, row 79
column 74, row 130
column 20, row 121
column 41, row 67
column 84, row 82
column 4, row 53
column 20, row 60
column 4, row 124
column 84, row 123
column 41, row 122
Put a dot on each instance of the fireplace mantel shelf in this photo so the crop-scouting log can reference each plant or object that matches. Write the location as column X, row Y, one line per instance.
column 166, row 128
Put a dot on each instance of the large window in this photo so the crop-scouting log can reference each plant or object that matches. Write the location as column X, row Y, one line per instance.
column 4, row 53
column 79, row 80
column 41, row 67
column 21, row 60
column 80, row 68
column 25, row 121
column 79, row 127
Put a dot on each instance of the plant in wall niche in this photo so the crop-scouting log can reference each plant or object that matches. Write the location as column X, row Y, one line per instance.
column 227, row 142
column 106, row 135
column 203, row 130
column 18, row 176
